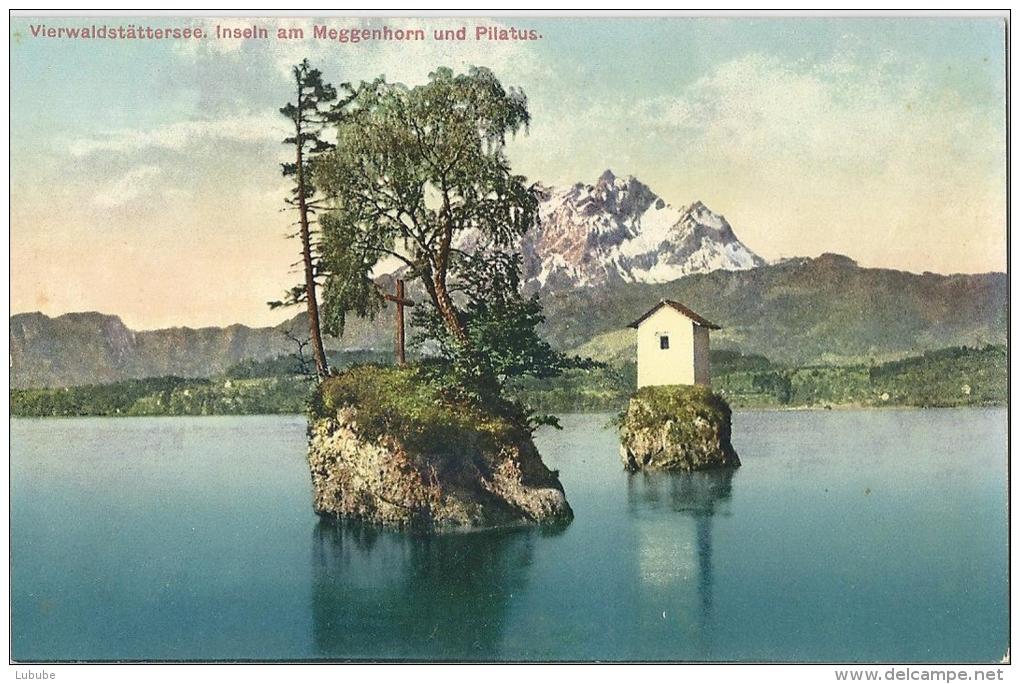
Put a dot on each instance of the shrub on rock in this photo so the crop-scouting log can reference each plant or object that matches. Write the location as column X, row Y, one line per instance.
column 676, row 427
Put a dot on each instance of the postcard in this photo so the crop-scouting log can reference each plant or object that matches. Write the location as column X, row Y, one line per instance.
column 503, row 339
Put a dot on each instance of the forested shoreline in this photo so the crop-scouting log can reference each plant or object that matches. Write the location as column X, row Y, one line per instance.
column 955, row 376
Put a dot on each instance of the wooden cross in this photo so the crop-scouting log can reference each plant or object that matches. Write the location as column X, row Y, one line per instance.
column 401, row 302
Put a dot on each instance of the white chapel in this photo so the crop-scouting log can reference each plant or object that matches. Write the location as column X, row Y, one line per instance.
column 672, row 346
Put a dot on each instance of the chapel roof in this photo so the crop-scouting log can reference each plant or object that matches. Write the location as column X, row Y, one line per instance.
column 698, row 319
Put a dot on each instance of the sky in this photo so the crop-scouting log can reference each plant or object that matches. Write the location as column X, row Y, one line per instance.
column 145, row 174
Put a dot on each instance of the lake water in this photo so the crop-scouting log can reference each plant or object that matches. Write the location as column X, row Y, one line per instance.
column 846, row 536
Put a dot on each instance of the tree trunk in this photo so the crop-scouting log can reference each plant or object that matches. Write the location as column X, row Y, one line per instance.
column 443, row 301
column 314, row 331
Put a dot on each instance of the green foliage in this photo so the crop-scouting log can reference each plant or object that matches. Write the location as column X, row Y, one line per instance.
column 287, row 365
column 169, row 396
column 578, row 390
column 94, row 400
column 414, row 170
column 728, row 361
column 501, row 326
column 313, row 110
column 683, row 405
column 957, row 376
column 777, row 384
column 403, row 402
column 311, row 113
column 315, row 107
column 349, row 288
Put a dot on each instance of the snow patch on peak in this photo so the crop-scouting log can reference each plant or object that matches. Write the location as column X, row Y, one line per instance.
column 619, row 229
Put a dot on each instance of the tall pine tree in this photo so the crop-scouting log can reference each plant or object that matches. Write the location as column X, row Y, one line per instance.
column 315, row 107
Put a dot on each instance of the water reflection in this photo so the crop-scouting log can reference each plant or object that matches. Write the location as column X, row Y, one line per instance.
column 442, row 597
column 698, row 494
column 669, row 557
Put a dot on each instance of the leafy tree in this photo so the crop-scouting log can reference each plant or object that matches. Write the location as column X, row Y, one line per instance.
column 420, row 176
column 777, row 384
column 315, row 107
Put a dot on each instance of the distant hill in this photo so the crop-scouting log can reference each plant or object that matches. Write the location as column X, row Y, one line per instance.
column 91, row 347
column 826, row 309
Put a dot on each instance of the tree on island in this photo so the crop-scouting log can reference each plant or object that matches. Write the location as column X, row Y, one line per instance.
column 316, row 106
column 420, row 176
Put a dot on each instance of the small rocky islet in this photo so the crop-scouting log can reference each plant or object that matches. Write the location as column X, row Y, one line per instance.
column 676, row 428
column 389, row 446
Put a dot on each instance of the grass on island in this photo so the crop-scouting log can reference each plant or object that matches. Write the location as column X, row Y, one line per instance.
column 676, row 427
column 681, row 404
column 413, row 406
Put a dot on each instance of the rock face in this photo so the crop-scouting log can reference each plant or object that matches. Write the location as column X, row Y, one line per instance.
column 618, row 230
column 676, row 427
column 380, row 481
column 440, row 469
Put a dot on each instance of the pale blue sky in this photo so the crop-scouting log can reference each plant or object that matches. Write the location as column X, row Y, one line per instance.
column 144, row 177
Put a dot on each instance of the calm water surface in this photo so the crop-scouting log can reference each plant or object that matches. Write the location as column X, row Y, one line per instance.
column 846, row 536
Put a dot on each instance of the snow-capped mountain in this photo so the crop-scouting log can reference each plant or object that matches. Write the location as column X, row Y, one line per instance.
column 618, row 229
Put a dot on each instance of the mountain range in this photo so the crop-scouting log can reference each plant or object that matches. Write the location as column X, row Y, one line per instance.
column 618, row 230
column 601, row 255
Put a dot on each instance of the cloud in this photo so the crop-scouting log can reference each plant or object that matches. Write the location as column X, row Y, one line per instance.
column 875, row 122
column 232, row 78
column 245, row 128
column 853, row 115
column 136, row 183
column 873, row 155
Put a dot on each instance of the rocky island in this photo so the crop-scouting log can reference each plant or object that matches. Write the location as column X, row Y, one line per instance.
column 389, row 446
column 676, row 427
